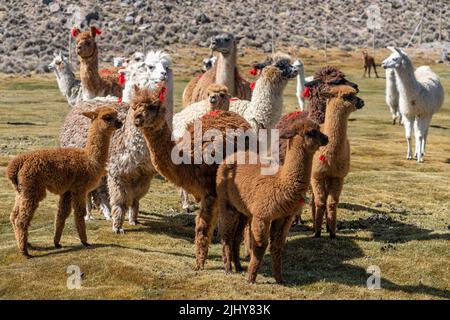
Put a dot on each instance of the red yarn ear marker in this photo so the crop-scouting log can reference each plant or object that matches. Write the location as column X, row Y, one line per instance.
column 119, row 100
column 211, row 114
column 252, row 85
column 253, row 71
column 323, row 158
column 233, row 99
column 98, row 31
column 121, row 79
column 302, row 201
column 306, row 93
column 162, row 95
column 293, row 115
column 74, row 32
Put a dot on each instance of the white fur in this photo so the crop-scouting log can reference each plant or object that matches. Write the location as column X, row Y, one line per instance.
column 300, row 83
column 392, row 95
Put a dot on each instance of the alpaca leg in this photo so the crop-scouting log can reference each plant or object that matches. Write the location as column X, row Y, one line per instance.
column 79, row 203
column 260, row 237
column 320, row 197
column 27, row 207
column 408, row 123
column 102, row 195
column 369, row 70
column 375, row 69
column 239, row 234
column 65, row 204
column 118, row 215
column 278, row 233
column 313, row 206
column 334, row 192
column 424, row 127
column 365, row 71
column 247, row 241
column 133, row 212
column 204, row 225
column 14, row 214
column 228, row 221
column 184, row 200
column 89, row 200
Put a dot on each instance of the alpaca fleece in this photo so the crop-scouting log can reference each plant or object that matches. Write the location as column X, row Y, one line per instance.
column 70, row 173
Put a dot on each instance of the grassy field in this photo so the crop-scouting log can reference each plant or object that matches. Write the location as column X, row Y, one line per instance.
column 394, row 214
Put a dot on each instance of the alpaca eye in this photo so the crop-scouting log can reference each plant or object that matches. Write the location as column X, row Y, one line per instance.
column 222, row 95
column 108, row 118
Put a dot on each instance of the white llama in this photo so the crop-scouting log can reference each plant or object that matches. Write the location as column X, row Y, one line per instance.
column 392, row 96
column 301, row 80
column 420, row 96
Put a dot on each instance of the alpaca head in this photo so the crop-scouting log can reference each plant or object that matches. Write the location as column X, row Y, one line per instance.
column 303, row 131
column 148, row 107
column 224, row 42
column 158, row 64
column 281, row 62
column 343, row 99
column 60, row 64
column 208, row 63
column 365, row 54
column 298, row 64
column 218, row 97
column 395, row 60
column 104, row 118
column 85, row 43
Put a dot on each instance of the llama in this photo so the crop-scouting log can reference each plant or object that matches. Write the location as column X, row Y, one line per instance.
column 68, row 85
column 197, row 179
column 269, row 202
column 129, row 167
column 223, row 72
column 92, row 84
column 420, row 96
column 71, row 173
column 369, row 63
column 332, row 162
column 392, row 96
column 208, row 63
column 300, row 83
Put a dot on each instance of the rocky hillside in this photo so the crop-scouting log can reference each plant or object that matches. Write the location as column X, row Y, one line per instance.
column 32, row 29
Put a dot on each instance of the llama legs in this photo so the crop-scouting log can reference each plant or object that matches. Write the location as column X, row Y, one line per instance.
column 421, row 126
column 204, row 225
column 278, row 233
column 260, row 239
column 408, row 123
column 65, row 203
column 334, row 192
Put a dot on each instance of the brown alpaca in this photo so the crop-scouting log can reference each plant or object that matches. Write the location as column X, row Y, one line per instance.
column 70, row 173
column 269, row 202
column 197, row 179
column 332, row 162
column 223, row 72
column 369, row 63
column 92, row 83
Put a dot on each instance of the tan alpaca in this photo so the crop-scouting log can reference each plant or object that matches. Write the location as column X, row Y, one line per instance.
column 269, row 202
column 197, row 179
column 68, row 172
column 223, row 72
column 369, row 63
column 332, row 162
column 92, row 83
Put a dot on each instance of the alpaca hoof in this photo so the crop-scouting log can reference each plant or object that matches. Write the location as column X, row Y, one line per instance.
column 186, row 210
column 85, row 244
column 133, row 222
column 198, row 268
column 332, row 236
column 58, row 246
column 280, row 281
column 88, row 217
column 239, row 268
column 27, row 255
column 108, row 218
column 408, row 157
column 29, row 245
column 118, row 230
column 317, row 234
column 420, row 160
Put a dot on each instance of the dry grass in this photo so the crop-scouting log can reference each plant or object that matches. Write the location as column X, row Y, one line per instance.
column 154, row 259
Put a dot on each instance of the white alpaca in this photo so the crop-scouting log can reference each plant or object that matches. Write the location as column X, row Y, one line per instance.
column 420, row 96
column 392, row 96
column 68, row 85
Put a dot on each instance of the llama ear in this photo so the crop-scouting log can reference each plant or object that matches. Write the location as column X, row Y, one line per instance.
column 90, row 114
column 238, row 38
column 287, row 134
column 75, row 31
column 400, row 52
column 95, row 31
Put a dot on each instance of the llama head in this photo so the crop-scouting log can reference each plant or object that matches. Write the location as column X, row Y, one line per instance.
column 85, row 43
column 105, row 118
column 395, row 60
column 224, row 42
column 279, row 71
column 59, row 63
column 148, row 107
column 218, row 97
column 298, row 64
column 158, row 64
column 208, row 63
column 343, row 99
column 305, row 132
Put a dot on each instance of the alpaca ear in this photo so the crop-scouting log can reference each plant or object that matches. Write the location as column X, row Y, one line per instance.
column 75, row 31
column 400, row 52
column 95, row 31
column 328, row 95
column 287, row 134
column 90, row 114
column 238, row 38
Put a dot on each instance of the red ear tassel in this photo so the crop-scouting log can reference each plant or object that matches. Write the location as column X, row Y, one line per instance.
column 212, row 113
column 121, row 79
column 119, row 100
column 233, row 99
column 306, row 93
column 253, row 71
column 323, row 158
column 162, row 95
column 98, row 31
column 74, row 31
column 252, row 85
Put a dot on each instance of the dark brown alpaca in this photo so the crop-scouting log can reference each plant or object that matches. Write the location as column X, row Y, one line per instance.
column 197, row 179
column 268, row 202
column 93, row 84
column 68, row 172
column 369, row 63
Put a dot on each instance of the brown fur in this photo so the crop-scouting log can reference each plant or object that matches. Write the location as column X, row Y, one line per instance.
column 269, row 202
column 369, row 63
column 94, row 84
column 197, row 179
column 332, row 162
column 70, row 173
column 189, row 90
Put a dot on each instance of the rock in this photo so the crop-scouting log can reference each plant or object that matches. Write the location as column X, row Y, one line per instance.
column 47, row 2
column 202, row 18
column 129, row 20
column 54, row 7
column 378, row 204
column 139, row 19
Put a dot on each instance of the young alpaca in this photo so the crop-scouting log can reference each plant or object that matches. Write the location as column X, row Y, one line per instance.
column 269, row 202
column 420, row 96
column 369, row 62
column 332, row 162
column 92, row 84
column 197, row 179
column 223, row 72
column 68, row 85
column 70, row 173
column 392, row 96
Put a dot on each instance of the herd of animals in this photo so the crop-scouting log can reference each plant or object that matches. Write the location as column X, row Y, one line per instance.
column 121, row 130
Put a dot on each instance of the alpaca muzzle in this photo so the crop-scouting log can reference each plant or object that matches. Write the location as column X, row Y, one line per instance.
column 118, row 124
column 212, row 100
column 359, row 103
column 323, row 139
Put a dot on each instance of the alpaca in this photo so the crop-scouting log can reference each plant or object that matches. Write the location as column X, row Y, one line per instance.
column 266, row 105
column 392, row 96
column 68, row 85
column 300, row 83
column 223, row 72
column 70, row 173
column 197, row 179
column 208, row 63
column 269, row 202
column 332, row 162
column 420, row 96
column 129, row 167
column 92, row 84
column 369, row 63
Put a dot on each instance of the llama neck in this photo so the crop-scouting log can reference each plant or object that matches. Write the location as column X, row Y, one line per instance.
column 226, row 71
column 335, row 127
column 97, row 146
column 90, row 78
column 295, row 174
column 301, row 87
column 406, row 81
